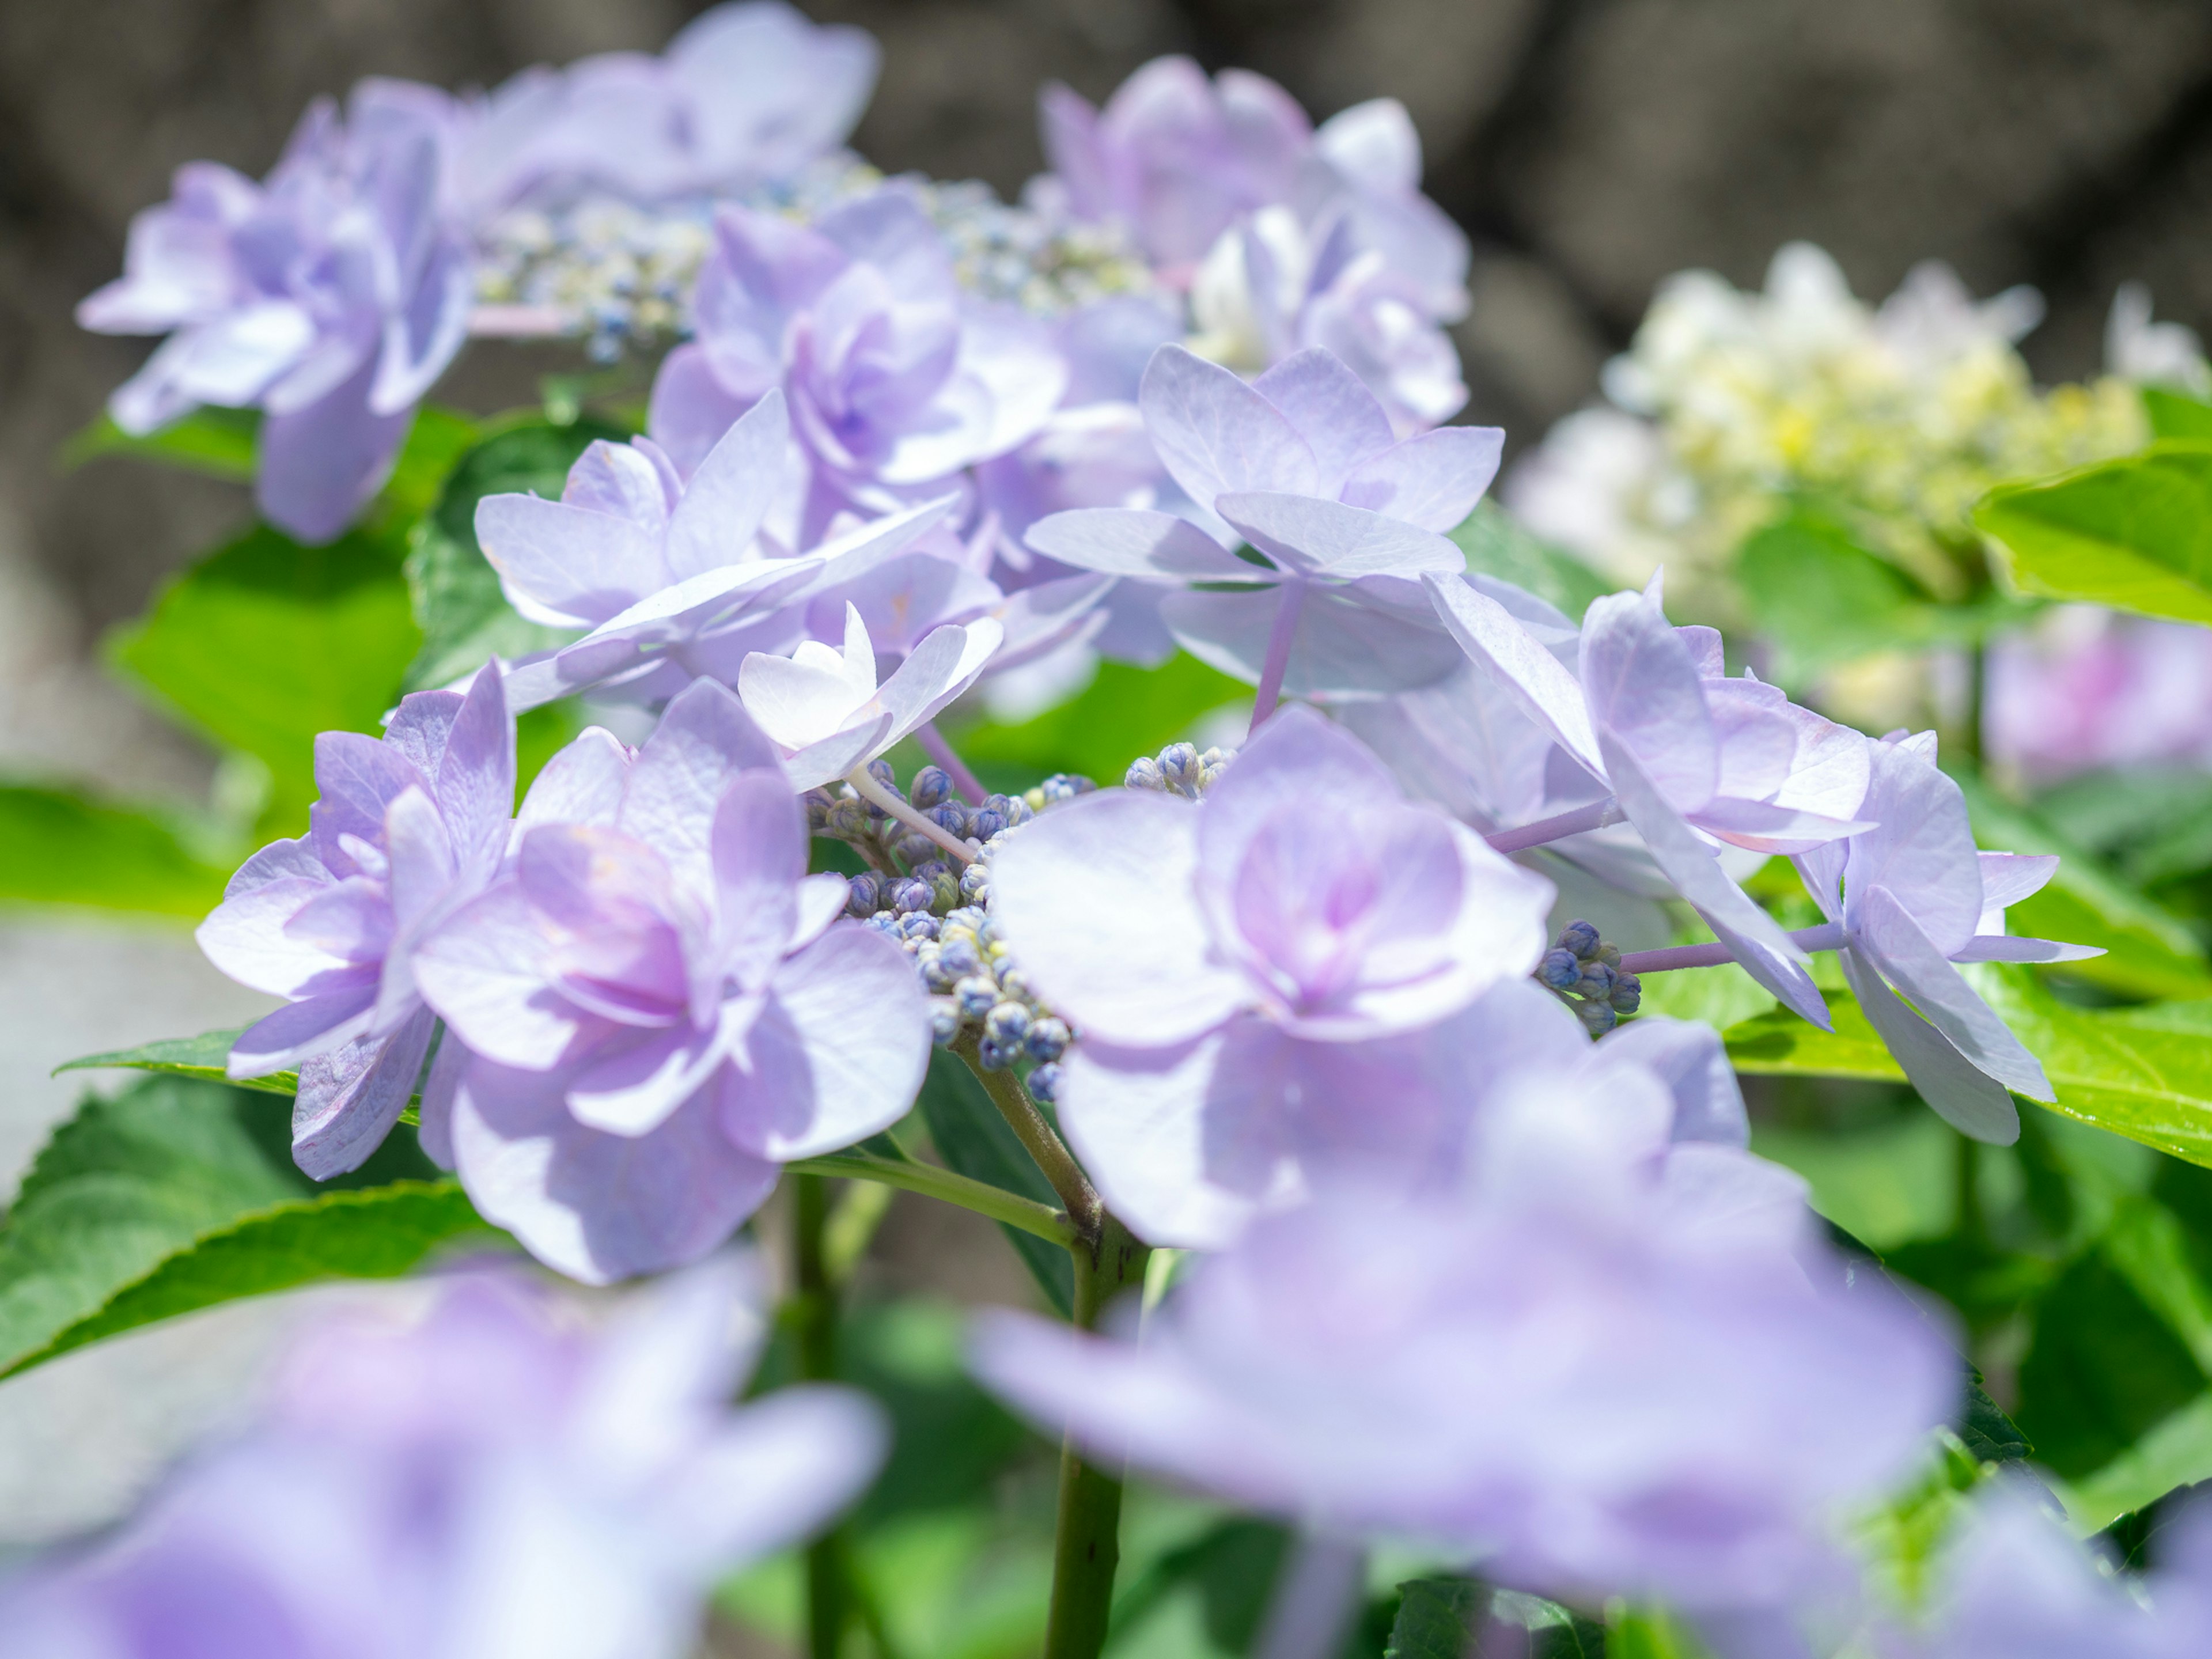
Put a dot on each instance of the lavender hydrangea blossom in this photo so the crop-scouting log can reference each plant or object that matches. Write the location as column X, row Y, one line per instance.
column 405, row 830
column 1304, row 466
column 1910, row 898
column 896, row 381
column 493, row 1481
column 1692, row 757
column 659, row 1005
column 1600, row 1368
column 330, row 295
column 1260, row 980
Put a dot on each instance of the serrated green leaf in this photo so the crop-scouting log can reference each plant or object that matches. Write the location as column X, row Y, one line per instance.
column 203, row 1057
column 125, row 1192
column 1496, row 544
column 973, row 1139
column 220, row 442
column 266, row 642
column 58, row 847
column 465, row 617
column 2134, row 533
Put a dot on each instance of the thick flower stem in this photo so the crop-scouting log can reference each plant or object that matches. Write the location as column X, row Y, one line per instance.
column 932, row 1181
column 1037, row 1138
column 1596, row 816
column 934, row 745
column 1292, row 600
column 1086, row 1547
column 869, row 790
column 1826, row 937
column 814, row 1316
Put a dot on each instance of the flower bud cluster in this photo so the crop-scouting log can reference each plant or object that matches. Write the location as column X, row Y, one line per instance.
column 1178, row 770
column 1584, row 968
column 939, row 915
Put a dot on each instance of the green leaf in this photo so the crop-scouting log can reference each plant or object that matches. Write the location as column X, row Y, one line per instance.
column 464, row 619
column 2100, row 1370
column 2173, row 415
column 1496, row 544
column 2134, row 533
column 1642, row 1632
column 973, row 1139
column 202, row 1056
column 2148, row 950
column 1778, row 1042
column 1721, row 997
column 1822, row 599
column 1438, row 1618
column 1124, row 713
column 179, row 1194
column 60, row 847
column 266, row 642
column 220, row 442
column 437, row 439
column 2176, row 1452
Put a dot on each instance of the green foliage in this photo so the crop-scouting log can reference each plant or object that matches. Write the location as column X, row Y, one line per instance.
column 1437, row 1618
column 435, row 440
column 266, row 642
column 1779, row 1042
column 58, row 847
column 2101, row 1370
column 1449, row 1617
column 1124, row 713
column 219, row 442
column 1496, row 545
column 2173, row 415
column 2135, row 533
column 1821, row 598
column 973, row 1139
column 203, row 1057
column 464, row 619
column 180, row 1193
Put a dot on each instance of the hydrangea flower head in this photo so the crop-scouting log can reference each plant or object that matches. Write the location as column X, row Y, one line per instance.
column 896, row 381
column 1588, row 1369
column 406, row 828
column 659, row 1003
column 330, row 295
column 1305, row 467
column 495, row 1480
column 1244, row 973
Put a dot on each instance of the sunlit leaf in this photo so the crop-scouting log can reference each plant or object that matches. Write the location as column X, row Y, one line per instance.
column 220, row 442
column 2134, row 533
column 204, row 1056
column 60, row 847
column 1496, row 544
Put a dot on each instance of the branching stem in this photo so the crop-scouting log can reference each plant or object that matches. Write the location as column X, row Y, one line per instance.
column 1596, row 816
column 874, row 793
column 1076, row 1193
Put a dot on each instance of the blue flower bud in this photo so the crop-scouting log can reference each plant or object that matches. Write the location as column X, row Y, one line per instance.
column 1580, row 937
column 986, row 823
column 1019, row 811
column 1046, row 1040
column 915, row 849
column 1180, row 765
column 966, row 916
column 1627, row 993
column 880, row 770
column 1013, row 981
column 934, row 973
column 933, row 786
column 1060, row 786
column 951, row 818
column 860, row 895
column 1144, row 773
column 1044, row 1084
column 848, row 820
column 906, row 895
column 1007, row 1022
column 995, row 1056
column 1609, row 955
column 944, row 1024
column 1559, row 969
column 917, row 925
column 960, row 957
column 818, row 803
column 976, row 884
column 1596, row 982
column 976, row 996
column 1597, row 1017
column 885, row 922
column 944, row 891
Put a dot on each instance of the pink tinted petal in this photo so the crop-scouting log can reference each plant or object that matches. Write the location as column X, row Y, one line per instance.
column 349, row 1098
column 1319, row 538
column 1896, row 944
column 1763, row 827
column 634, row 1088
column 1519, row 663
column 837, row 1054
column 484, row 971
column 595, row 1207
column 704, row 740
column 279, row 1040
column 1095, row 900
column 1755, row 938
column 731, row 492
column 1215, row 433
column 1129, row 542
column 582, row 784
column 1962, row 1096
column 1433, row 480
column 1643, row 687
column 1334, row 412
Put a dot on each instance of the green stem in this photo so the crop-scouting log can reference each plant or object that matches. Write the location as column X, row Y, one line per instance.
column 1037, row 1138
column 1087, row 1547
column 816, row 1317
column 932, row 1181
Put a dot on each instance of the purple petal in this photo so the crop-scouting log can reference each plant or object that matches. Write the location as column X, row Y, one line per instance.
column 1909, row 960
column 1514, row 659
column 634, row 1088
column 704, row 739
column 1433, row 480
column 1334, row 412
column 583, row 783
column 838, row 754
column 246, row 936
column 759, row 853
column 359, row 779
column 1317, row 537
column 1354, row 641
column 320, row 464
column 1692, row 1061
column 1764, row 827
column 315, row 1025
column 483, row 969
column 1297, row 758
column 730, row 494
column 1096, row 900
column 1643, row 688
column 2009, row 878
column 2003, row 947
column 349, row 1098
column 690, row 410
column 564, row 565
column 937, row 671
column 1923, row 851
column 1127, row 542
column 1962, row 1096
column 1215, row 433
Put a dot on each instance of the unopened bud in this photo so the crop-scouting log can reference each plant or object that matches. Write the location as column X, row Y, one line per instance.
column 1559, row 969
column 933, row 786
column 1627, row 993
column 860, row 895
column 1580, row 937
column 1046, row 1039
column 976, row 996
column 1144, row 773
column 1044, row 1084
column 1597, row 1017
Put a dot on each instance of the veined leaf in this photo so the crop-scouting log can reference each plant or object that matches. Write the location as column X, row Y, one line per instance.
column 220, row 442
column 179, row 1194
column 60, row 847
column 1496, row 544
column 1438, row 1618
column 1779, row 1042
column 266, row 642
column 203, row 1057
column 464, row 619
column 2134, row 533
